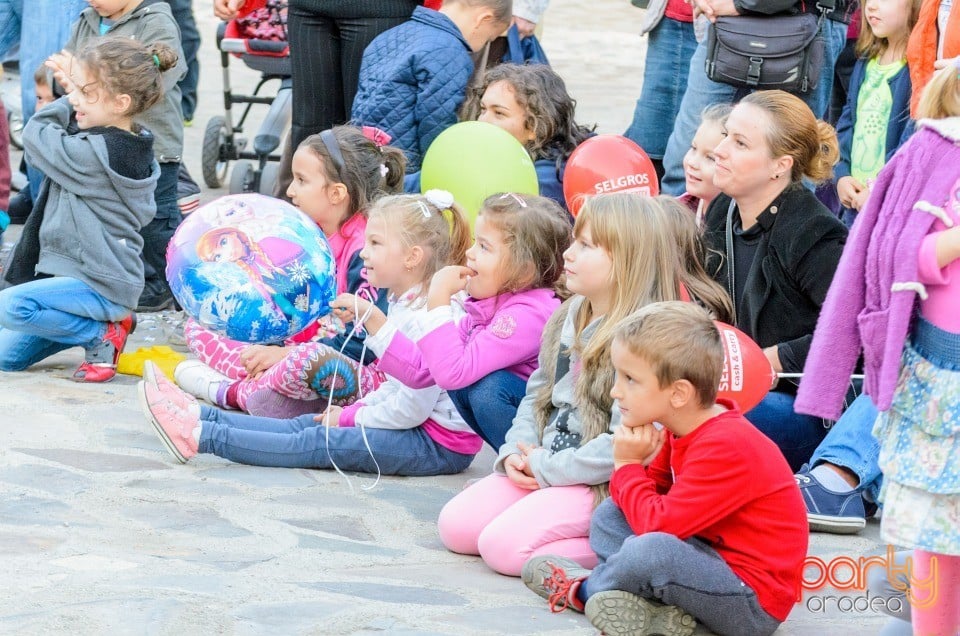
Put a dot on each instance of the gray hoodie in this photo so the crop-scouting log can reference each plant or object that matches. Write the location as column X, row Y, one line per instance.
column 150, row 23
column 93, row 215
column 561, row 460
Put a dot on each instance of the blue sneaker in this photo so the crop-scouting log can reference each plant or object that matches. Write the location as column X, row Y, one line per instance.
column 829, row 511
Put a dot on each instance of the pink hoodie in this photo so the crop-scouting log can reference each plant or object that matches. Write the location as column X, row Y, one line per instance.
column 502, row 332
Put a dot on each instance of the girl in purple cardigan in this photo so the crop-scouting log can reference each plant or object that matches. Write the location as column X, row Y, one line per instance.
column 485, row 320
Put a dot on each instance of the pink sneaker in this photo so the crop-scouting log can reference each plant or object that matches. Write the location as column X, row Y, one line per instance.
column 173, row 424
column 183, row 400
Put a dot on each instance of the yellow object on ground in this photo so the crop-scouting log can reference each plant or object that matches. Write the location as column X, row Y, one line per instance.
column 164, row 357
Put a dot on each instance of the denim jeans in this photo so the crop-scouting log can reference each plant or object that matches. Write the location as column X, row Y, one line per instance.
column 795, row 434
column 702, row 92
column 46, row 316
column 850, row 443
column 669, row 49
column 182, row 11
column 302, row 443
column 489, row 405
column 158, row 233
column 688, row 574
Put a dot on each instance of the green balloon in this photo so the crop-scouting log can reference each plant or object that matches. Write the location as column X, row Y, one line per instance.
column 474, row 159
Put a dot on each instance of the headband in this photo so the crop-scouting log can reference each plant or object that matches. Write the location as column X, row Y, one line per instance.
column 333, row 148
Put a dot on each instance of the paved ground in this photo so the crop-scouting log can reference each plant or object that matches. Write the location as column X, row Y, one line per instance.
column 100, row 532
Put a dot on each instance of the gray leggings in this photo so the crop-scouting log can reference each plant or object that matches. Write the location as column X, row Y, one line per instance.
column 688, row 574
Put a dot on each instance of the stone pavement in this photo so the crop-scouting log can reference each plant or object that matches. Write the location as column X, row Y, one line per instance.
column 101, row 532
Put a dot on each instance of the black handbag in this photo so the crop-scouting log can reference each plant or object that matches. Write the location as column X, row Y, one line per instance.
column 768, row 52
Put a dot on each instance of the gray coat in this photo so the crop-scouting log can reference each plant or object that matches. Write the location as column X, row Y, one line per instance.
column 588, row 458
column 149, row 23
column 93, row 215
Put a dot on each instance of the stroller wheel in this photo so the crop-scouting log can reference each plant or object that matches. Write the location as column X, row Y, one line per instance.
column 212, row 160
column 242, row 178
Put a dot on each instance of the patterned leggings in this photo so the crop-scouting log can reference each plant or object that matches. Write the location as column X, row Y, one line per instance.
column 309, row 372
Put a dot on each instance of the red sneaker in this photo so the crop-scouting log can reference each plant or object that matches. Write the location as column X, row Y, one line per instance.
column 100, row 364
column 173, row 425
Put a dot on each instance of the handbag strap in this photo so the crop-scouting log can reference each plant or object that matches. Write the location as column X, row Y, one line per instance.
column 731, row 275
column 824, row 7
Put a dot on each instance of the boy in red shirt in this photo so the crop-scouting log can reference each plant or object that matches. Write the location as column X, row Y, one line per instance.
column 704, row 516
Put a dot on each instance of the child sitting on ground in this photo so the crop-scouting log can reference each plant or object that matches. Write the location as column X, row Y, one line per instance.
column 337, row 175
column 704, row 517
column 98, row 193
column 554, row 466
column 395, row 430
column 414, row 77
column 485, row 319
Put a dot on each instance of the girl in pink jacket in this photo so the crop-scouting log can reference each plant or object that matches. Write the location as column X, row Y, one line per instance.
column 485, row 319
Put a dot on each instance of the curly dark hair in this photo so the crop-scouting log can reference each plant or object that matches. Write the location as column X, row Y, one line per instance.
column 549, row 109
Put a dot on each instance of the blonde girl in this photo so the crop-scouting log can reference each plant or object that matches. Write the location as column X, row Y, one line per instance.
column 876, row 118
column 485, row 318
column 556, row 461
column 337, row 175
column 395, row 430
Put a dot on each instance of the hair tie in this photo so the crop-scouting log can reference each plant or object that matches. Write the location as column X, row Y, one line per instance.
column 377, row 136
column 384, row 170
column 441, row 199
column 156, row 60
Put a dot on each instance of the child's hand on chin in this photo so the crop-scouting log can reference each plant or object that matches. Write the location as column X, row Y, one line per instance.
column 637, row 444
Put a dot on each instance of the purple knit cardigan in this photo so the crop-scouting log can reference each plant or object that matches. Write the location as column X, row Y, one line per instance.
column 862, row 312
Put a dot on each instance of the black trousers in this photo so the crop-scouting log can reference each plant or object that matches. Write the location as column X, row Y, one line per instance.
column 327, row 40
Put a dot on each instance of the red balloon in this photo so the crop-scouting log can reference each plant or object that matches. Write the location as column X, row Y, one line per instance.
column 747, row 374
column 607, row 163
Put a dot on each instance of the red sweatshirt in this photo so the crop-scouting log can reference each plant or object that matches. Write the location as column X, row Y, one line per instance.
column 727, row 484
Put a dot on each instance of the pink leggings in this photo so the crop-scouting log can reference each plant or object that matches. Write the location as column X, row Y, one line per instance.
column 506, row 525
column 939, row 615
column 309, row 371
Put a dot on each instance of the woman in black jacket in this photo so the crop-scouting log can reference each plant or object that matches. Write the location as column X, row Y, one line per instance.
column 775, row 246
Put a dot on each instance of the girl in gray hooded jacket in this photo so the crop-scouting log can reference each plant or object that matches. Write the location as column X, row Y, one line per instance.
column 98, row 193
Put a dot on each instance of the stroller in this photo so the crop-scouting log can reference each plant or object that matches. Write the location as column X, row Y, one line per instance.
column 260, row 41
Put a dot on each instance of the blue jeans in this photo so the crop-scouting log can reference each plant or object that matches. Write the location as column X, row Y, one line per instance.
column 850, row 443
column 157, row 234
column 489, row 405
column 669, row 49
column 44, row 317
column 302, row 443
column 795, row 434
column 182, row 11
column 702, row 92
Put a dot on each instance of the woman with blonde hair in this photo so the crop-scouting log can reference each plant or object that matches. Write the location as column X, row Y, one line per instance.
column 774, row 246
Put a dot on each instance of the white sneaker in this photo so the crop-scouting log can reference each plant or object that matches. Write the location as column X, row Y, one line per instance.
column 199, row 380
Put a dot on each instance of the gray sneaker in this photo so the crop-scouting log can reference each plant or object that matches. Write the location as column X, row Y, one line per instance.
column 551, row 577
column 617, row 613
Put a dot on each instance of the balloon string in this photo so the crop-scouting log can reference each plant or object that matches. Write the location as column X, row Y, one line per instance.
column 358, row 322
